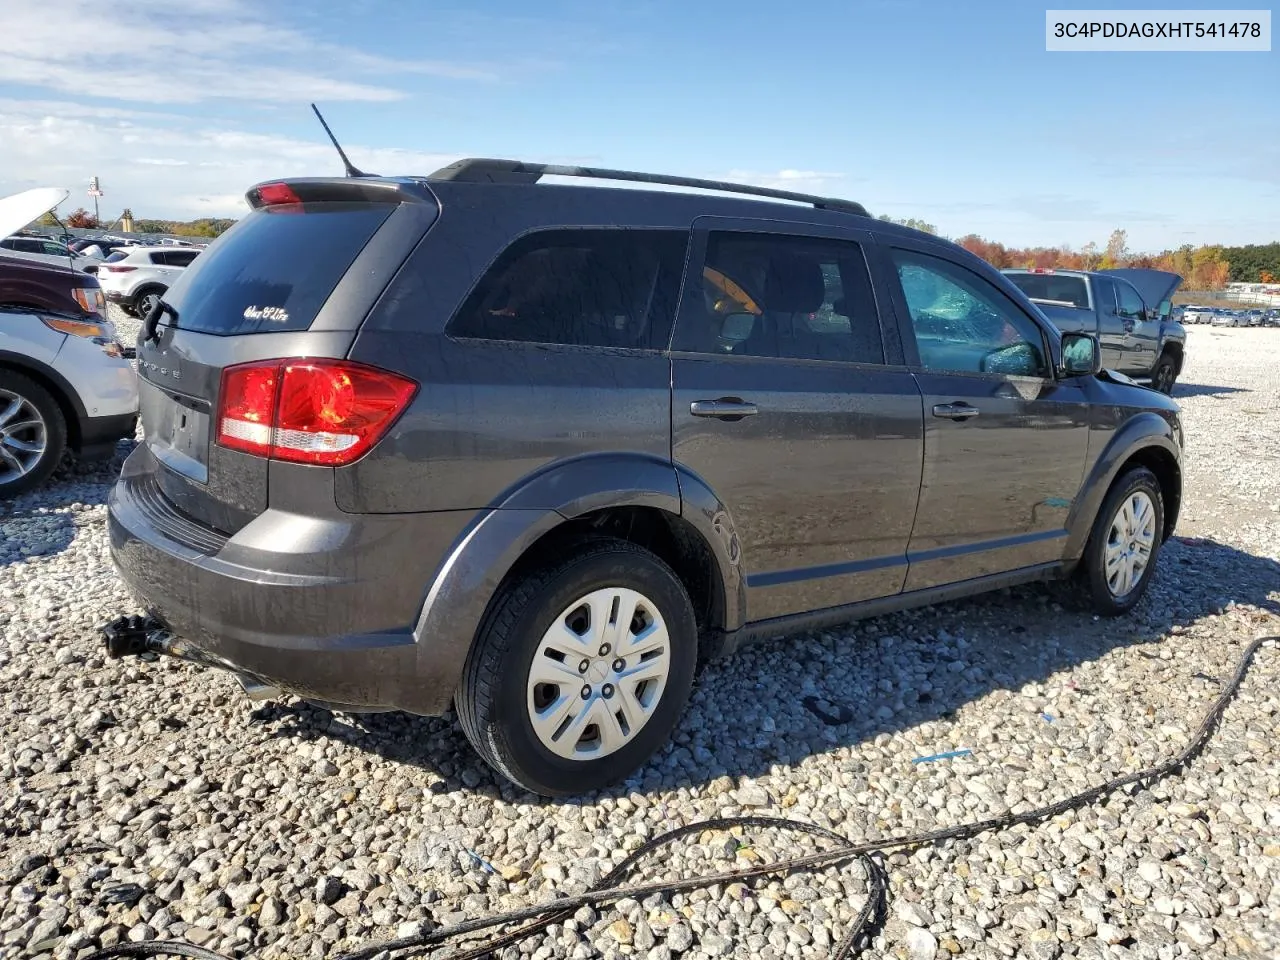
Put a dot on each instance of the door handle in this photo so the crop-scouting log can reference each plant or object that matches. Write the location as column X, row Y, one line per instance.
column 955, row 411
column 726, row 408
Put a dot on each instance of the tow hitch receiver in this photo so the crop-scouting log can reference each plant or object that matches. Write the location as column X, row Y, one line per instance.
column 128, row 637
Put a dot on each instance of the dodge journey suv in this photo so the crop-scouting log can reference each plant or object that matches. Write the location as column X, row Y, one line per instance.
column 535, row 450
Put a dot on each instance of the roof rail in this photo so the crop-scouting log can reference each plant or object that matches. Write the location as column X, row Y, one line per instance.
column 481, row 170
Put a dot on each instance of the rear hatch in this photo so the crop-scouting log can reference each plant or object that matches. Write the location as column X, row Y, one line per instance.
column 1156, row 287
column 294, row 279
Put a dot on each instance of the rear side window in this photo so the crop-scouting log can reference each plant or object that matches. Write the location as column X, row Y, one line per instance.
column 274, row 269
column 591, row 288
column 786, row 297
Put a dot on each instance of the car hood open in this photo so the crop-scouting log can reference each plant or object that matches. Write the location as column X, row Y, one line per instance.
column 19, row 209
column 1154, row 286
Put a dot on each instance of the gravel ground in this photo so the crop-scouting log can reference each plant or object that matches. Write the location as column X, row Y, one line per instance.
column 288, row 831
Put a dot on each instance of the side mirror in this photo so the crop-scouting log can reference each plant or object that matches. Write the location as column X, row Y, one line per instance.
column 1081, row 355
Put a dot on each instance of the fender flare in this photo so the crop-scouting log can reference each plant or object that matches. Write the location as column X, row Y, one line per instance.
column 485, row 553
column 61, row 388
column 1145, row 431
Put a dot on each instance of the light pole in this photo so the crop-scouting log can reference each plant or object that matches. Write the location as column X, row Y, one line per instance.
column 95, row 191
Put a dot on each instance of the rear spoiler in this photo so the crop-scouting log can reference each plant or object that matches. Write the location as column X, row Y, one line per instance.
column 339, row 190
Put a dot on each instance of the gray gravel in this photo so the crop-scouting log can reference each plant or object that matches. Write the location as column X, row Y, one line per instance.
column 151, row 800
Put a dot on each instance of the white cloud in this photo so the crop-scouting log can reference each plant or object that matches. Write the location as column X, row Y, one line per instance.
column 196, row 51
column 163, row 169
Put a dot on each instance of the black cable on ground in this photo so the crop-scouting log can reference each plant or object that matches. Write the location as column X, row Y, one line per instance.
column 610, row 889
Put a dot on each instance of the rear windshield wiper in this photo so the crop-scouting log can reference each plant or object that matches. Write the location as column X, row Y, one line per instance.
column 150, row 331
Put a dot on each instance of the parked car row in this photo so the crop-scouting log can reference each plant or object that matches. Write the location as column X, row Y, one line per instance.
column 1224, row 317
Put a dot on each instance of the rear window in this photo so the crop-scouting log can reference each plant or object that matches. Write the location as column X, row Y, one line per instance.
column 274, row 270
column 1048, row 286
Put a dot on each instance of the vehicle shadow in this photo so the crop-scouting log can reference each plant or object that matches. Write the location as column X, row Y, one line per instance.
column 1181, row 390
column 776, row 702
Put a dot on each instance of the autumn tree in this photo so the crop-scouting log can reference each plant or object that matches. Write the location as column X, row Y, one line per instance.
column 81, row 217
column 1089, row 256
column 1117, row 251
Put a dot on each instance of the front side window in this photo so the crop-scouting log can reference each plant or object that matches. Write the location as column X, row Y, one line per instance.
column 787, row 297
column 591, row 288
column 963, row 323
column 1131, row 305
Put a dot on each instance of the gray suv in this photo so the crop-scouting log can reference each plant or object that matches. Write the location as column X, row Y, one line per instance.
column 535, row 450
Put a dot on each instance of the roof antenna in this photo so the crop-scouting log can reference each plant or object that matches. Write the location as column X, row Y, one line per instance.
column 352, row 170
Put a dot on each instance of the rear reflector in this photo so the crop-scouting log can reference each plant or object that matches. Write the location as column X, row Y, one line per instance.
column 328, row 412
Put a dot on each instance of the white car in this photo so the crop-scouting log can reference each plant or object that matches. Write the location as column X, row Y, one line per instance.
column 139, row 279
column 48, row 251
column 66, row 382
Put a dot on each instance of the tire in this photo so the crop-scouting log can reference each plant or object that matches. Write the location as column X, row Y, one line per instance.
column 29, row 417
column 499, row 696
column 1117, row 594
column 146, row 299
column 1165, row 374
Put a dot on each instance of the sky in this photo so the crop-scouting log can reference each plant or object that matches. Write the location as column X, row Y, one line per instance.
column 950, row 112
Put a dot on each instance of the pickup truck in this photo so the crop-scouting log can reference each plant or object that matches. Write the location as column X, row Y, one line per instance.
column 1128, row 310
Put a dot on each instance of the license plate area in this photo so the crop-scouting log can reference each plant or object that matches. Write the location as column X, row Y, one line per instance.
column 176, row 429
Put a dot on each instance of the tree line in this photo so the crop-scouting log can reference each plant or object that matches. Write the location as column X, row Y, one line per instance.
column 1206, row 267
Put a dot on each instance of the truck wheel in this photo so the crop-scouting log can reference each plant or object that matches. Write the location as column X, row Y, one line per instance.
column 580, row 671
column 33, row 434
column 1120, row 557
column 1165, row 373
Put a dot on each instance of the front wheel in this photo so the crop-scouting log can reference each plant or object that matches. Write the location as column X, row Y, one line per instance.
column 33, row 434
column 580, row 671
column 1120, row 557
column 1164, row 375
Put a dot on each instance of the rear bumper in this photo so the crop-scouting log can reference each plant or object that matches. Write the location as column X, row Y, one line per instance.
column 321, row 606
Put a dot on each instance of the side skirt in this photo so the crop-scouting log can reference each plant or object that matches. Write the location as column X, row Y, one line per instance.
column 847, row 613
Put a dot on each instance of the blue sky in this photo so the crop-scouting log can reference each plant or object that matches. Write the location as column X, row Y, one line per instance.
column 950, row 112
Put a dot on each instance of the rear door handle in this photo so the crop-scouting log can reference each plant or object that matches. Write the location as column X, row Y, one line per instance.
column 726, row 408
column 955, row 411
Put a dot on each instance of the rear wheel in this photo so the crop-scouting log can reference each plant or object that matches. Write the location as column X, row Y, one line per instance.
column 1120, row 558
column 33, row 434
column 1165, row 373
column 580, row 671
column 146, row 301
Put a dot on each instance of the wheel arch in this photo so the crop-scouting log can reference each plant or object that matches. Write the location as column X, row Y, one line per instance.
column 1145, row 440
column 73, row 412
column 148, row 286
column 632, row 497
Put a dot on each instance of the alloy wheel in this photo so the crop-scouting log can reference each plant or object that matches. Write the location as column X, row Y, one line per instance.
column 24, row 436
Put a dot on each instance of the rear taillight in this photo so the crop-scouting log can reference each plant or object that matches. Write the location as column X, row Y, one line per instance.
column 329, row 412
column 112, row 268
